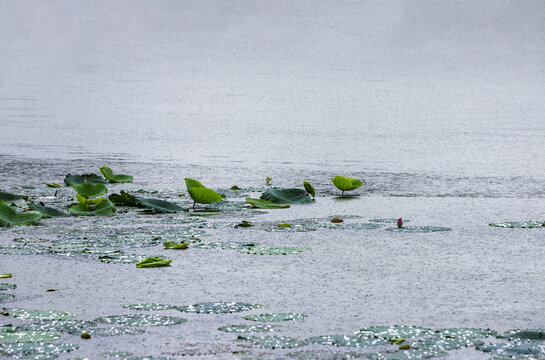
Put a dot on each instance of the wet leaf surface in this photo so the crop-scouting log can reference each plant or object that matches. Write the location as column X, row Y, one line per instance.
column 247, row 328
column 150, row 307
column 218, row 307
column 273, row 250
column 418, row 229
column 140, row 320
column 37, row 351
column 276, row 317
column 519, row 224
column 272, row 342
column 347, row 340
column 109, row 331
column 57, row 325
column 37, row 315
column 28, row 336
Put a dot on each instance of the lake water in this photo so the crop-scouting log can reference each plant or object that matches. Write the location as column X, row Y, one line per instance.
column 437, row 106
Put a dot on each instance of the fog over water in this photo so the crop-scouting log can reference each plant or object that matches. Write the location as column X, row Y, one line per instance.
column 424, row 97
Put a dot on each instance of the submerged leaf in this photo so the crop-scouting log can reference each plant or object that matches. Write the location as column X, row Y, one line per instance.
column 309, row 188
column 46, row 210
column 263, row 204
column 153, row 262
column 346, row 184
column 286, row 196
column 10, row 217
column 175, row 246
column 6, row 196
column 114, row 178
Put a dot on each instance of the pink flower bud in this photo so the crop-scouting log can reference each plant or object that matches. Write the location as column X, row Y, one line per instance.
column 399, row 222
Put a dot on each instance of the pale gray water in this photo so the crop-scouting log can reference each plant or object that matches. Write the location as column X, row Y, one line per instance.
column 420, row 99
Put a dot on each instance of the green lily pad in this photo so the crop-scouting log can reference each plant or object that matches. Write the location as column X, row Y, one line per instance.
column 418, row 229
column 273, row 250
column 438, row 344
column 347, row 340
column 263, row 204
column 114, row 178
column 190, row 183
column 530, row 334
column 122, row 258
column 57, row 325
column 346, row 184
column 309, row 188
column 4, row 296
column 47, row 211
column 155, row 205
column 109, row 331
column 396, row 331
column 218, row 307
column 247, row 328
column 5, row 276
column 53, row 185
column 38, row 315
column 465, row 333
column 286, row 196
column 387, row 221
column 10, row 217
column 272, row 342
column 519, row 224
column 232, row 245
column 150, row 307
column 140, row 320
column 320, row 354
column 70, row 179
column 90, row 191
column 176, row 246
column 102, row 208
column 4, row 286
column 153, row 262
column 244, row 224
column 28, row 336
column 37, row 351
column 515, row 349
column 6, row 196
column 276, row 317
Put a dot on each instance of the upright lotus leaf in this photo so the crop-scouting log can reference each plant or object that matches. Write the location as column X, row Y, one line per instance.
column 102, row 208
column 85, row 178
column 190, row 183
column 268, row 181
column 153, row 262
column 286, row 196
column 114, row 178
column 10, row 217
column 203, row 195
column 46, row 210
column 346, row 184
column 90, row 191
column 6, row 196
column 263, row 204
column 309, row 188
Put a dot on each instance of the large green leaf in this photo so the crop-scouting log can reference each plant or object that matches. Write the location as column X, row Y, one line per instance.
column 103, row 208
column 46, row 210
column 346, row 184
column 190, row 183
column 204, row 195
column 90, row 191
column 264, row 204
column 85, row 178
column 157, row 205
column 309, row 188
column 114, row 178
column 153, row 262
column 286, row 196
column 9, row 217
column 6, row 196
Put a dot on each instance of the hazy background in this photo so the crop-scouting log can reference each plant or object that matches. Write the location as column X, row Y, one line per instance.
column 442, row 89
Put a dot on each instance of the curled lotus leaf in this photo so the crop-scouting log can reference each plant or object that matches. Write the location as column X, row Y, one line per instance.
column 191, row 183
column 140, row 320
column 264, row 204
column 28, row 336
column 309, row 188
column 102, row 208
column 218, row 307
column 286, row 196
column 418, row 229
column 346, row 184
column 272, row 342
column 53, row 185
column 10, row 217
column 90, row 191
column 114, row 178
column 153, row 262
column 176, row 246
column 276, row 317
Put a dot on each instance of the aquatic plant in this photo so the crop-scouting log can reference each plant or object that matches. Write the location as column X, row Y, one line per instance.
column 115, row 178
column 264, row 204
column 10, row 217
column 286, row 196
column 346, row 184
column 268, row 181
column 309, row 188
column 153, row 262
column 201, row 194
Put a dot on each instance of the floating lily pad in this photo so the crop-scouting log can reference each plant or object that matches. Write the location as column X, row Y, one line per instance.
column 218, row 307
column 519, row 224
column 465, row 333
column 4, row 296
column 57, row 325
column 387, row 221
column 122, row 258
column 150, row 307
column 530, row 334
column 37, row 315
column 244, row 224
column 272, row 342
column 176, row 246
column 141, row 320
column 109, row 331
column 6, row 196
column 5, row 286
column 515, row 349
column 114, row 178
column 274, row 250
column 324, row 355
column 46, row 210
column 418, row 229
column 224, row 245
column 389, row 332
column 276, row 317
column 247, row 328
column 436, row 344
column 263, row 204
column 28, row 336
column 287, row 196
column 157, row 205
column 70, row 179
column 37, row 351
column 347, row 340
column 153, row 262
column 10, row 217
